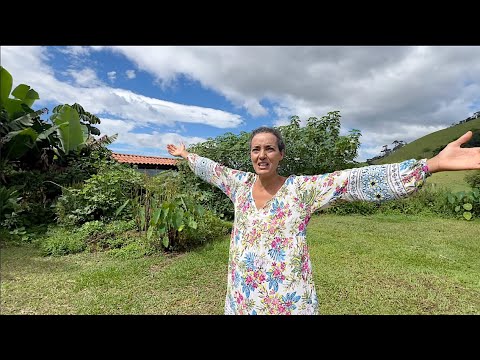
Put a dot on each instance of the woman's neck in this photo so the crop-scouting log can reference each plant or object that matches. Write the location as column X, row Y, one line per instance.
column 270, row 181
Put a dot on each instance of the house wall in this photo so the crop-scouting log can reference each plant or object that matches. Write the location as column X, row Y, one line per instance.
column 151, row 172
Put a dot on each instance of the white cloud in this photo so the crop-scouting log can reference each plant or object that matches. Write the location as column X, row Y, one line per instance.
column 115, row 126
column 130, row 74
column 85, row 77
column 112, row 76
column 26, row 64
column 76, row 50
column 140, row 143
column 145, row 110
column 280, row 122
column 375, row 87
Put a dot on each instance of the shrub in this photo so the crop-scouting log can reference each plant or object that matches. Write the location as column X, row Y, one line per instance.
column 134, row 250
column 62, row 242
column 209, row 228
column 426, row 201
column 473, row 179
column 100, row 236
column 466, row 204
column 100, row 197
column 353, row 207
column 9, row 198
column 6, row 236
column 91, row 228
column 185, row 182
column 40, row 188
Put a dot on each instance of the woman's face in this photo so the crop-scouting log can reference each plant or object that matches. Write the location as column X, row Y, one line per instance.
column 265, row 154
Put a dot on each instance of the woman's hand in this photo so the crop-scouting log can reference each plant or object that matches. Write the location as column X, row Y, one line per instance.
column 177, row 150
column 453, row 157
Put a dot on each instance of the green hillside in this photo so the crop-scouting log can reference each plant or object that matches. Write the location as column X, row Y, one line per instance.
column 451, row 180
column 424, row 146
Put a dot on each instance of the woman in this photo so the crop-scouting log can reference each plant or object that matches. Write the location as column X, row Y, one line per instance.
column 269, row 269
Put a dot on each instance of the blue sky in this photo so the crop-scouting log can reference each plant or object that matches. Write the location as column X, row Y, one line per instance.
column 155, row 95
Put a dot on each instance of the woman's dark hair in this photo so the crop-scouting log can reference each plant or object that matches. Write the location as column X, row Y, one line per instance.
column 265, row 129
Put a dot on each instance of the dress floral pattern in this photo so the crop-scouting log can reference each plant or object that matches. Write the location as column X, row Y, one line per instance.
column 269, row 269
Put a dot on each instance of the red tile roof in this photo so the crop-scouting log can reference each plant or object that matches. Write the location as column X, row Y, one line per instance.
column 140, row 159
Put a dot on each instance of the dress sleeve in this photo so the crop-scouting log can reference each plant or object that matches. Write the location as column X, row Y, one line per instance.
column 226, row 179
column 370, row 183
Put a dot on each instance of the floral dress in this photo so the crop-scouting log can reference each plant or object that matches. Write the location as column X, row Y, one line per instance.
column 269, row 269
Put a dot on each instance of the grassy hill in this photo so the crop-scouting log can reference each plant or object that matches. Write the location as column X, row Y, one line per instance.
column 424, row 147
column 452, row 180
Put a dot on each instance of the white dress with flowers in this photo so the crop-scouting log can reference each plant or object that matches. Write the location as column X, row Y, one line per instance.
column 269, row 269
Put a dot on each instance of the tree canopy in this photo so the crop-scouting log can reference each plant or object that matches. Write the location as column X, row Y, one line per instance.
column 315, row 148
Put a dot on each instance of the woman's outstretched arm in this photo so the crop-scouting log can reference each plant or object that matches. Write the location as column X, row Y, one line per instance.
column 384, row 182
column 226, row 179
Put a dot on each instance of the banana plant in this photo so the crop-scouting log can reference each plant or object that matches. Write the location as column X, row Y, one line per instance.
column 23, row 95
column 85, row 117
column 22, row 131
column 27, row 138
column 23, row 134
column 71, row 133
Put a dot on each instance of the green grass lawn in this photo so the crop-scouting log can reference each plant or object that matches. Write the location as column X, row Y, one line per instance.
column 362, row 265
